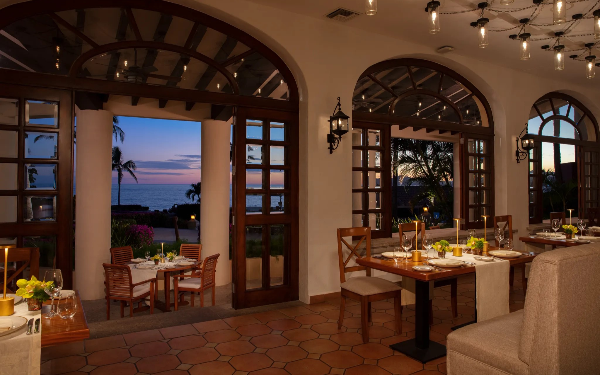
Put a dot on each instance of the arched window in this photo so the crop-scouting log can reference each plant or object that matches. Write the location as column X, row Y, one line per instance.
column 563, row 165
column 440, row 106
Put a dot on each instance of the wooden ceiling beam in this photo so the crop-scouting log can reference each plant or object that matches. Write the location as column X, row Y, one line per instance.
column 221, row 112
column 73, row 30
column 237, row 58
column 133, row 24
column 271, row 86
column 162, row 103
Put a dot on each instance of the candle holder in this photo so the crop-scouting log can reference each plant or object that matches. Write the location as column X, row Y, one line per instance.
column 416, row 256
column 485, row 226
column 486, row 247
column 570, row 215
column 7, row 305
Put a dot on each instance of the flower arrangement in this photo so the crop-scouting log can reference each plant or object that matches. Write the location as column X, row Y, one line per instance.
column 442, row 246
column 570, row 229
column 156, row 258
column 476, row 243
column 33, row 291
column 170, row 255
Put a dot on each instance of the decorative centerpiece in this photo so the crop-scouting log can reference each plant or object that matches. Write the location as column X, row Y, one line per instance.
column 476, row 245
column 34, row 291
column 442, row 247
column 170, row 256
column 156, row 258
column 570, row 231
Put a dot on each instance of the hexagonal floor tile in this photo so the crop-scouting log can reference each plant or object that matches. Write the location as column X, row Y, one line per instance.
column 319, row 346
column 117, row 368
column 141, row 337
column 270, row 371
column 187, row 342
column 300, row 334
column 242, row 320
column 159, row 363
column 286, row 353
column 212, row 325
column 62, row 365
column 335, row 314
column 366, row 369
column 400, row 364
column 295, row 311
column 212, row 368
column 178, row 331
column 234, row 348
column 254, row 330
column 326, row 328
column 268, row 341
column 268, row 316
column 284, row 324
column 251, row 362
column 108, row 357
column 372, row 351
column 378, row 332
column 347, row 338
column 341, row 359
column 198, row 355
column 150, row 349
column 221, row 336
column 307, row 367
column 310, row 319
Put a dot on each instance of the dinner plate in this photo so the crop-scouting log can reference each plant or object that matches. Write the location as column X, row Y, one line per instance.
column 583, row 241
column 185, row 263
column 505, row 253
column 138, row 260
column 446, row 262
column 10, row 324
column 423, row 268
column 393, row 255
column 589, row 238
column 484, row 259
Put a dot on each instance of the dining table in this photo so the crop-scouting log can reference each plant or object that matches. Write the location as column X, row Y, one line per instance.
column 167, row 270
column 57, row 330
column 421, row 347
column 536, row 242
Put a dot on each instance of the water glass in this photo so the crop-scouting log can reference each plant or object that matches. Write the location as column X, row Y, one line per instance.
column 555, row 225
column 406, row 245
column 67, row 307
column 147, row 256
column 54, row 289
column 397, row 252
column 581, row 224
column 428, row 244
column 508, row 244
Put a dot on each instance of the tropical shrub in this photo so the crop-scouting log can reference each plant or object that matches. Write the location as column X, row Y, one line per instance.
column 140, row 235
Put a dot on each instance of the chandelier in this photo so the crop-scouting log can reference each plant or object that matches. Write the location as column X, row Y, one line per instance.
column 495, row 8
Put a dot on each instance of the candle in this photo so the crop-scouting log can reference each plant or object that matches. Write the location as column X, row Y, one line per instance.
column 457, row 225
column 162, row 248
column 5, row 269
column 485, row 227
column 417, row 235
column 570, row 214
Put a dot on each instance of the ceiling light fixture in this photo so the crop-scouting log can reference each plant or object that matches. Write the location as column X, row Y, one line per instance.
column 596, row 24
column 559, row 12
column 371, row 7
column 483, row 34
column 590, row 65
column 434, row 16
column 525, row 51
column 559, row 57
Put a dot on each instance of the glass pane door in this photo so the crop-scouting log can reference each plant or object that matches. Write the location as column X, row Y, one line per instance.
column 477, row 194
column 590, row 185
column 265, row 256
column 536, row 206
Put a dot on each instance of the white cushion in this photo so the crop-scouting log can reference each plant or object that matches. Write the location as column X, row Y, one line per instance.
column 366, row 286
column 141, row 289
column 191, row 282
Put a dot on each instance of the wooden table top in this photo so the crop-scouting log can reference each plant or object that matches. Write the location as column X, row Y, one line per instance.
column 548, row 241
column 405, row 268
column 59, row 331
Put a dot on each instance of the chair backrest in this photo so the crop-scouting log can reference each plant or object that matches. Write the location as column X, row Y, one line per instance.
column 117, row 280
column 560, row 322
column 593, row 216
column 191, row 250
column 364, row 234
column 558, row 215
column 506, row 222
column 30, row 256
column 121, row 255
column 209, row 267
column 408, row 227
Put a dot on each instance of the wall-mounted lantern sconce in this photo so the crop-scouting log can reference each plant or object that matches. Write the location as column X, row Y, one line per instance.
column 524, row 144
column 338, row 126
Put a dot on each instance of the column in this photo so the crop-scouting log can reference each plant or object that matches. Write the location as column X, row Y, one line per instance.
column 214, row 206
column 92, row 213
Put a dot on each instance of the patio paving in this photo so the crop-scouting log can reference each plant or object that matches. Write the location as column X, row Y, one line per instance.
column 297, row 340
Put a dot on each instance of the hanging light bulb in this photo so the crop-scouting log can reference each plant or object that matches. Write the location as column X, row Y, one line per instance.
column 281, row 82
column 117, row 74
column 418, row 113
column 434, row 16
column 590, row 62
column 218, row 86
column 467, row 111
column 596, row 24
column 525, row 52
column 560, row 11
column 439, row 117
column 370, row 109
column 420, row 104
column 559, row 57
column 444, row 108
column 363, row 96
column 125, row 63
column 185, row 68
column 57, row 49
column 371, row 7
column 483, row 34
column 235, row 75
column 57, row 64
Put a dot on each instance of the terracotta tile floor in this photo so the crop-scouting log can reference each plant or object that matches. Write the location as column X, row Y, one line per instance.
column 298, row 340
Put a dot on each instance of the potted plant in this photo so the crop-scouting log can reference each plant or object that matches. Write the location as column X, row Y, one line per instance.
column 476, row 245
column 170, row 255
column 156, row 258
column 33, row 291
column 442, row 247
column 570, row 231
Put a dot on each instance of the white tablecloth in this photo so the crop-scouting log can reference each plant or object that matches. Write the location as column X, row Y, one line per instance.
column 20, row 354
column 142, row 274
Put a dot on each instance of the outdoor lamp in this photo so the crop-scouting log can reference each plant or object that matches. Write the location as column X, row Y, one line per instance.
column 338, row 126
column 193, row 217
column 524, row 144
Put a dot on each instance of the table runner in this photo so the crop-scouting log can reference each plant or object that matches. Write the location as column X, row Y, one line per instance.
column 21, row 353
column 492, row 288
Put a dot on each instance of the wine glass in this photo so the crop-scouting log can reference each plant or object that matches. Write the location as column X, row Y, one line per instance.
column 499, row 236
column 67, row 308
column 53, row 289
column 581, row 224
column 147, row 255
column 406, row 245
column 555, row 225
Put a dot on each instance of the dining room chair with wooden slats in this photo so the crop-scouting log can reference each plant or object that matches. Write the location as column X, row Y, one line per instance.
column 198, row 282
column 23, row 257
column 365, row 289
column 504, row 223
column 191, row 250
column 453, row 283
column 119, row 287
column 560, row 216
column 121, row 255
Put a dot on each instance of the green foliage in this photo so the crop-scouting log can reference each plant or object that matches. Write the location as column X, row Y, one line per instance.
column 151, row 219
column 119, row 232
column 33, row 289
column 476, row 243
column 194, row 192
column 442, row 245
column 155, row 249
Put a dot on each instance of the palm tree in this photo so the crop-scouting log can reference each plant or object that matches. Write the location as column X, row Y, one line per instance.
column 120, row 166
column 193, row 192
column 117, row 131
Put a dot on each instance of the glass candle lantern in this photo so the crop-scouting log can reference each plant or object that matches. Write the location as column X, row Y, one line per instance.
column 559, row 12
column 590, row 71
column 482, row 31
column 371, row 7
column 559, row 57
column 525, row 51
column 434, row 16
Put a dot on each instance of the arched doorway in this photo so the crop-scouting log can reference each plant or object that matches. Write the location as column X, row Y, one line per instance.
column 563, row 165
column 435, row 101
column 62, row 54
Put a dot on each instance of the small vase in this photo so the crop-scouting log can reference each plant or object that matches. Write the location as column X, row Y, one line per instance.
column 156, row 261
column 569, row 236
column 442, row 254
column 34, row 304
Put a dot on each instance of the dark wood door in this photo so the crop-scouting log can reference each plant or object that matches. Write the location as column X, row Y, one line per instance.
column 477, row 177
column 36, row 169
column 588, row 160
column 265, row 206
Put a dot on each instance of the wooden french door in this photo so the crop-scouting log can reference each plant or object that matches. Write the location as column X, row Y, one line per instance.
column 265, row 207
column 536, row 194
column 36, row 168
column 589, row 178
column 477, row 173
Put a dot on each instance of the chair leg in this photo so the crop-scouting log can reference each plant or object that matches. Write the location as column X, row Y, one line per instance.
column 511, row 276
column 131, row 309
column 108, row 309
column 364, row 317
column 342, row 311
column 192, row 299
column 151, row 300
column 398, row 313
column 213, row 295
column 454, row 298
column 370, row 312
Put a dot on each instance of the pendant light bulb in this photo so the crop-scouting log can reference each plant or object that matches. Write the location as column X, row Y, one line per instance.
column 483, row 33
column 597, row 24
column 420, row 104
column 235, row 75
column 590, row 62
column 559, row 57
column 117, row 74
column 57, row 50
column 125, row 62
column 218, row 86
column 559, row 12
column 363, row 96
column 57, row 64
column 371, row 7
column 525, row 51
column 434, row 16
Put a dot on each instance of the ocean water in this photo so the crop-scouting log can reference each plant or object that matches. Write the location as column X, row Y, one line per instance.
column 164, row 196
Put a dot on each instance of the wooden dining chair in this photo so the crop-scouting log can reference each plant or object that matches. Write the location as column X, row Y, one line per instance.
column 558, row 215
column 121, row 255
column 365, row 289
column 198, row 281
column 119, row 287
column 593, row 216
column 191, row 250
column 506, row 222
column 407, row 227
column 23, row 257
